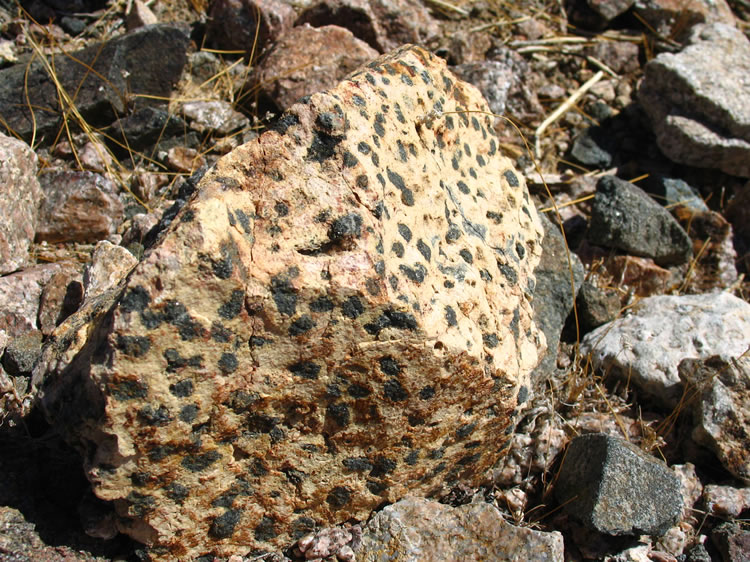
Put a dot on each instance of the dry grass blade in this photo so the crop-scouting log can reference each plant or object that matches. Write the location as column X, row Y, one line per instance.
column 447, row 6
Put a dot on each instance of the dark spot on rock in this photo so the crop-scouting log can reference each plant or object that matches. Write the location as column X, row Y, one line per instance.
column 352, row 307
column 382, row 466
column 177, row 315
column 358, row 391
column 378, row 124
column 394, row 391
column 469, row 459
column 258, row 467
column 453, row 234
column 301, row 325
column 475, row 123
column 339, row 413
column 399, row 114
column 485, row 275
column 302, row 526
column 135, row 300
column 228, row 363
column 389, row 366
column 523, row 394
column 509, row 273
column 241, row 400
column 188, row 413
column 465, row 430
column 401, row 151
column 266, row 529
column 380, row 267
column 188, row 216
column 398, row 249
column 494, row 217
column 357, row 464
column 148, row 415
column 363, row 147
column 450, row 316
column 363, row 181
column 520, row 250
column 426, row 393
column 257, row 341
column 376, row 487
column 480, row 160
column 339, row 497
column 511, row 178
column 223, row 526
column 490, row 340
column 514, row 323
column 160, row 452
column 321, row 304
column 333, row 391
column 323, row 146
column 404, row 231
column 219, row 333
column 128, row 390
column 182, row 389
column 412, row 458
column 467, row 150
column 348, row 226
column 416, row 273
column 463, row 188
column 406, row 80
column 283, row 123
column 261, row 423
column 305, row 369
column 198, row 463
column 177, row 492
column 233, row 306
column 135, row 346
column 424, row 249
column 415, row 420
column 466, row 255
column 393, row 281
column 350, row 160
column 281, row 209
column 140, row 504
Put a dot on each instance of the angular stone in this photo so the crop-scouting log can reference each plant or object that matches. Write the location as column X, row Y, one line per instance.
column 675, row 19
column 147, row 61
column 337, row 318
column 420, row 529
column 615, row 488
column 725, row 501
column 596, row 306
column 308, row 59
column 624, row 217
column 143, row 128
column 214, row 116
column 697, row 108
column 248, row 25
column 19, row 297
column 22, row 353
column 647, row 346
column 61, row 297
column 20, row 196
column 719, row 394
column 640, row 274
column 610, row 9
column 109, row 265
column 732, row 541
column 78, row 207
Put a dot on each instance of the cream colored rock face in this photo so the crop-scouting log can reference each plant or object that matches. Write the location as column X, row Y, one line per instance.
column 339, row 317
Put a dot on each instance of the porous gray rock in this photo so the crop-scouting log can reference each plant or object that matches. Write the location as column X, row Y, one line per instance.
column 624, row 217
column 338, row 317
column 718, row 392
column 615, row 488
column 20, row 197
column 698, row 110
column 22, row 353
column 647, row 346
column 415, row 529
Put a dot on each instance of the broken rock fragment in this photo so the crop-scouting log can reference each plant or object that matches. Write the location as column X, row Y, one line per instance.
column 337, row 318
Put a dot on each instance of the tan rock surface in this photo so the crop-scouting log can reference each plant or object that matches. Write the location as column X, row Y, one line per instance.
column 339, row 317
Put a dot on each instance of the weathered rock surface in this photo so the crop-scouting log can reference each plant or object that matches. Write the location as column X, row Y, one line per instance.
column 147, row 61
column 416, row 529
column 308, row 59
column 719, row 393
column 248, row 25
column 732, row 541
column 339, row 317
column 214, row 116
column 647, row 346
column 22, row 353
column 675, row 19
column 61, row 297
column 20, row 196
column 595, row 306
column 78, row 206
column 109, row 265
column 614, row 487
column 725, row 501
column 624, row 217
column 698, row 110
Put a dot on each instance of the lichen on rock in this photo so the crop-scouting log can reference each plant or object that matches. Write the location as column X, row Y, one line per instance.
column 340, row 316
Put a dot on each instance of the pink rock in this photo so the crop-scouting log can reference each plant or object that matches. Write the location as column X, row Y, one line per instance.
column 726, row 501
column 642, row 274
column 20, row 295
column 233, row 23
column 310, row 59
column 20, row 196
column 61, row 297
column 79, row 207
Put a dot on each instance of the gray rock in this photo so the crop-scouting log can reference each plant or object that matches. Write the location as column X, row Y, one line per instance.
column 553, row 294
column 676, row 19
column 248, row 25
column 616, row 488
column 20, row 196
column 147, row 61
column 624, row 217
column 732, row 541
column 214, row 116
column 78, row 207
column 610, row 9
column 719, row 390
column 416, row 529
column 22, row 353
column 594, row 147
column 595, row 306
column 671, row 191
column 698, row 554
column 647, row 346
column 696, row 100
column 144, row 128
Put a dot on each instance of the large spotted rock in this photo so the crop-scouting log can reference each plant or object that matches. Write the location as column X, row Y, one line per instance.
column 339, row 317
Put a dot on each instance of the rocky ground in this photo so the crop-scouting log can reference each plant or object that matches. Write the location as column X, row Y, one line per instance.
column 630, row 122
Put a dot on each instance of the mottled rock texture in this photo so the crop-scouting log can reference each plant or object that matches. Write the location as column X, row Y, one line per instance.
column 337, row 318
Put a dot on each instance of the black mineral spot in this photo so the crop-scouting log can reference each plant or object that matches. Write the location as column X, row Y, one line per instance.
column 511, row 178
column 465, row 430
column 257, row 341
column 424, row 249
column 135, row 300
column 376, row 487
column 177, row 492
column 490, row 340
column 399, row 114
column 352, row 307
column 494, row 217
column 378, row 124
column 233, row 306
column 357, row 464
column 177, row 315
column 128, row 390
column 416, row 273
column 305, row 369
column 321, row 304
column 426, row 393
column 284, row 122
column 514, row 323
column 398, row 249
column 448, row 284
column 485, row 275
column 380, row 267
column 453, row 234
column 466, row 255
column 135, row 346
column 266, row 529
column 198, row 463
column 454, row 163
column 450, row 316
column 373, row 286
column 467, row 149
column 394, row 391
column 284, row 295
column 395, row 179
column 382, row 466
column 358, row 391
column 140, row 504
column 350, row 160
column 480, row 160
column 401, row 151
column 301, row 325
column 347, row 226
column 393, row 282
column 261, row 423
column 228, row 363
column 363, row 181
column 406, row 80
column 302, row 526
column 339, row 497
column 148, row 415
column 219, row 333
column 359, row 100
column 182, row 389
column 469, row 459
column 188, row 216
column 188, row 413
column 244, row 220
column 333, row 391
column 363, row 147
column 475, row 123
column 323, row 146
column 523, row 394
column 160, row 452
column 509, row 273
column 520, row 250
column 389, row 366
column 339, row 413
column 369, row 77
column 281, row 209
column 412, row 458
column 223, row 526
column 404, row 231
column 414, row 420
column 463, row 188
